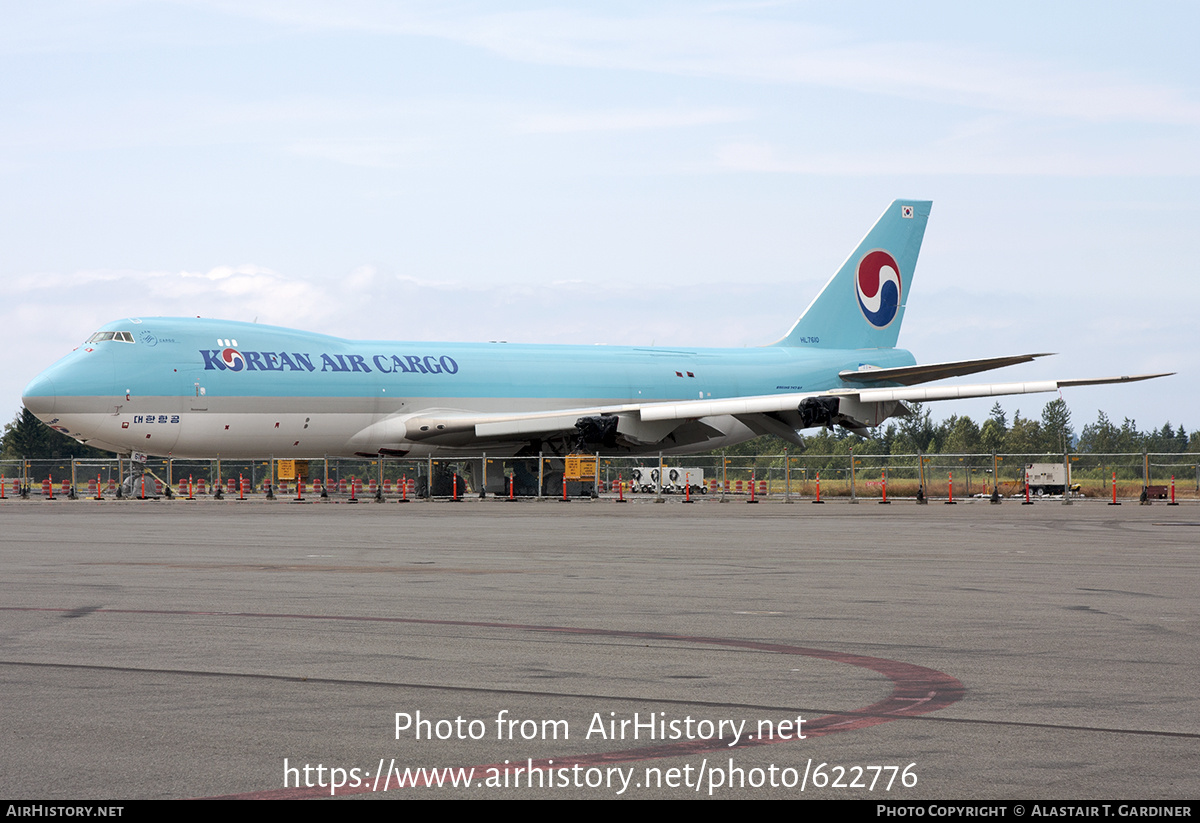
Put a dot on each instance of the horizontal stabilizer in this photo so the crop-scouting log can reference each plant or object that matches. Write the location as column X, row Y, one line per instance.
column 912, row 375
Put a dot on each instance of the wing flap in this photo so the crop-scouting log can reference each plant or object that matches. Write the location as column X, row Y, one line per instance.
column 516, row 426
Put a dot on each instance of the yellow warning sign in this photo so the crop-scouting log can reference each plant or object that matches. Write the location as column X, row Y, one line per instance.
column 580, row 467
column 287, row 469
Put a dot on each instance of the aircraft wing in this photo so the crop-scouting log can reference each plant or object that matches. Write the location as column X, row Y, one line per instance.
column 784, row 402
column 782, row 414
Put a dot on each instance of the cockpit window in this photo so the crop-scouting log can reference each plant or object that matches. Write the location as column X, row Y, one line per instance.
column 119, row 336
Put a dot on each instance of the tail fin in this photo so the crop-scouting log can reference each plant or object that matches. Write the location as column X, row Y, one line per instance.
column 862, row 306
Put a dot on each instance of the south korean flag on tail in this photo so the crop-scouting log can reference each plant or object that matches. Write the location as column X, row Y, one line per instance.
column 906, row 211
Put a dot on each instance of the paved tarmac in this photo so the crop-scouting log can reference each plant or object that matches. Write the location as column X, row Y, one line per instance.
column 176, row 649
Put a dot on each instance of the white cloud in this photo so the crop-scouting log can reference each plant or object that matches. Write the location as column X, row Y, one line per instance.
column 732, row 43
column 628, row 120
column 378, row 153
column 968, row 154
column 226, row 106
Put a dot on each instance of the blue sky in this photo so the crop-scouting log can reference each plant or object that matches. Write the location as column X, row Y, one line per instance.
column 626, row 173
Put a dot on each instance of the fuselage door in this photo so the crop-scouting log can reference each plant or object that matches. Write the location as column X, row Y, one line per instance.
column 196, row 393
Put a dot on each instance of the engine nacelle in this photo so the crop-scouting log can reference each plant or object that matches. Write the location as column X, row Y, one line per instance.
column 599, row 430
column 818, row 411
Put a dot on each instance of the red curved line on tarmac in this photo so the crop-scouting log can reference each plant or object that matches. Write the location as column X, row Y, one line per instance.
column 916, row 690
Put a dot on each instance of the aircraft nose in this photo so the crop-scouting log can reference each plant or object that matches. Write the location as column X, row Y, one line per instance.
column 40, row 396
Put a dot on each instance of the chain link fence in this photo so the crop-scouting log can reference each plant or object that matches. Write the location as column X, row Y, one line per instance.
column 857, row 476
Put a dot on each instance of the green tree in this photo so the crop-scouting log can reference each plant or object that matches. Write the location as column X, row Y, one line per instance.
column 1099, row 437
column 1129, row 439
column 1024, row 437
column 25, row 436
column 886, row 435
column 916, row 433
column 1057, row 434
column 997, row 415
column 28, row 437
column 991, row 436
column 766, row 444
column 1165, row 440
column 962, row 436
column 870, row 445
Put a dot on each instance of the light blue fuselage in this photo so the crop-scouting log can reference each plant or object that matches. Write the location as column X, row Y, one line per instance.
column 193, row 387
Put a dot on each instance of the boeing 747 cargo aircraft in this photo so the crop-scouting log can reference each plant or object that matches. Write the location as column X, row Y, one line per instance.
column 188, row 387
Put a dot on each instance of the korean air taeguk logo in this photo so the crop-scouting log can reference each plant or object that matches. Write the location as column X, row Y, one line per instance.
column 233, row 360
column 878, row 287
